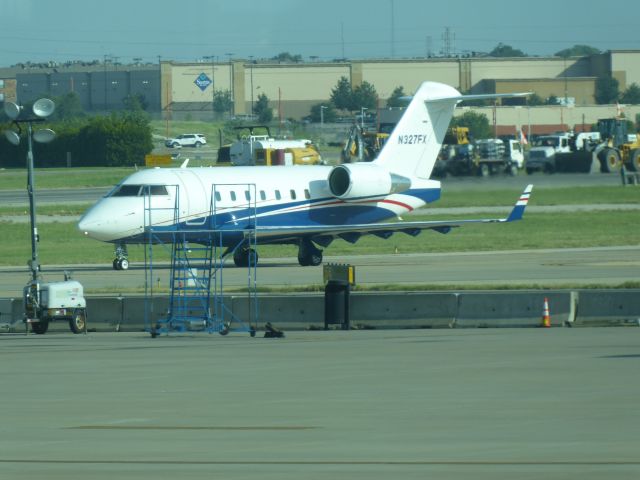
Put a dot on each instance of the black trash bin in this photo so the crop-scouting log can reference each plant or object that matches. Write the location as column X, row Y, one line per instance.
column 336, row 304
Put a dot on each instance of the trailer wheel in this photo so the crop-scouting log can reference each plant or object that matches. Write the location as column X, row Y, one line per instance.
column 485, row 171
column 78, row 322
column 40, row 327
column 634, row 160
column 609, row 160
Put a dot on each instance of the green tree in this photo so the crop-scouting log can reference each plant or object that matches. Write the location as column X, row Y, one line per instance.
column 502, row 50
column 68, row 107
column 631, row 95
column 341, row 95
column 286, row 57
column 329, row 112
column 535, row 100
column 478, row 124
column 552, row 100
column 607, row 90
column 262, row 109
column 222, row 101
column 395, row 99
column 365, row 95
column 577, row 51
column 136, row 102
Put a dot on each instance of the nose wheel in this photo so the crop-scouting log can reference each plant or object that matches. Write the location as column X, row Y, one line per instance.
column 121, row 262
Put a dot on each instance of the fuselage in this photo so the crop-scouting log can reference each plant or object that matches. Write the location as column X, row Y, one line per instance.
column 196, row 201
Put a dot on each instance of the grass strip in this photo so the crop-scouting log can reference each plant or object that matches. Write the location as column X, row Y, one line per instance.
column 61, row 242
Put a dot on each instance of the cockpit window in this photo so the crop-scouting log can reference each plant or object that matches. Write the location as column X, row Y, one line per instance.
column 155, row 190
column 139, row 190
column 127, row 191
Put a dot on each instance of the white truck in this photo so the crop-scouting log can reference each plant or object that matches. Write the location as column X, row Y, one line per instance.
column 47, row 302
column 254, row 149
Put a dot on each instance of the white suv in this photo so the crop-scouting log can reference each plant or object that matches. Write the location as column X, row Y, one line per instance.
column 186, row 140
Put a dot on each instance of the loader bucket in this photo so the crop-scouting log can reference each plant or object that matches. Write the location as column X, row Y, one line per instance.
column 576, row 162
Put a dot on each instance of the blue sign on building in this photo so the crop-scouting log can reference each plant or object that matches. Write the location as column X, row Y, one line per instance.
column 203, row 81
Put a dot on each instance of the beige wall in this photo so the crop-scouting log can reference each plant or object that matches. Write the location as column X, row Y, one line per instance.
column 302, row 85
column 626, row 64
column 527, row 68
column 386, row 76
column 550, row 115
column 183, row 88
column 9, row 89
column 582, row 89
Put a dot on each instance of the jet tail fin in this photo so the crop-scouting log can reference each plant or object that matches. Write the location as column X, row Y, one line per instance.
column 412, row 148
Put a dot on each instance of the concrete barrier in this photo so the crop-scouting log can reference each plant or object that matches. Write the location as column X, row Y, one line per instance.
column 377, row 310
column 6, row 313
column 133, row 318
column 512, row 308
column 287, row 312
column 404, row 309
column 608, row 307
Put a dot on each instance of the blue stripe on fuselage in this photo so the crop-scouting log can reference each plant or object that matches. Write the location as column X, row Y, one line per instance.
column 324, row 211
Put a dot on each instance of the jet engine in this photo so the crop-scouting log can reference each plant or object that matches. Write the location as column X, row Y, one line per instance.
column 354, row 181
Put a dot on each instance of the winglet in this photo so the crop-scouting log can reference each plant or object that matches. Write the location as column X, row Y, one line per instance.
column 518, row 208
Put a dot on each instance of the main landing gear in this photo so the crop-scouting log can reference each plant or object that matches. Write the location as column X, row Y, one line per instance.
column 244, row 256
column 121, row 262
column 308, row 254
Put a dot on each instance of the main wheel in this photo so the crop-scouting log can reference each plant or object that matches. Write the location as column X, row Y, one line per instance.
column 40, row 327
column 311, row 259
column 609, row 160
column 78, row 323
column 123, row 264
column 242, row 256
column 115, row 264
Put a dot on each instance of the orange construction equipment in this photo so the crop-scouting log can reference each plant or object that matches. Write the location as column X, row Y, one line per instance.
column 546, row 319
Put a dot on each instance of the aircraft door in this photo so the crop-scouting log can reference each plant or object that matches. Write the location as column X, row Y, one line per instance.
column 194, row 202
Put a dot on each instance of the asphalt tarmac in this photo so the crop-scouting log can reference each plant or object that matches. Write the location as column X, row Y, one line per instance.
column 412, row 404
column 545, row 268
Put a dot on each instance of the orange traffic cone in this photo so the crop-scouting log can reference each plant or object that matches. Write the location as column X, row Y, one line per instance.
column 546, row 319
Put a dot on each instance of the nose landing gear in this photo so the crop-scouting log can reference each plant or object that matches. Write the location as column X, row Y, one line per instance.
column 121, row 262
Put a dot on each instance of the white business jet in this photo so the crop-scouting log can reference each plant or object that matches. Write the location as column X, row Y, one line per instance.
column 308, row 206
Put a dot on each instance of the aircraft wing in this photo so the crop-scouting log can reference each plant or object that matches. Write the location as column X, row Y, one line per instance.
column 323, row 234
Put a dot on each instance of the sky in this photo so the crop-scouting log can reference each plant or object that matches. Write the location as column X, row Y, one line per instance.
column 186, row 31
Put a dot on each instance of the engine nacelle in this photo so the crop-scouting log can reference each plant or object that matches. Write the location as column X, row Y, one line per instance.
column 352, row 181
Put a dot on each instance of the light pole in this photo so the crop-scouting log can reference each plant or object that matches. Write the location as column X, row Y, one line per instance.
column 251, row 75
column 213, row 84
column 362, row 109
column 230, row 80
column 41, row 110
column 322, row 108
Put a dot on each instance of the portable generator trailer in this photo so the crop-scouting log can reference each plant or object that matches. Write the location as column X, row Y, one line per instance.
column 54, row 301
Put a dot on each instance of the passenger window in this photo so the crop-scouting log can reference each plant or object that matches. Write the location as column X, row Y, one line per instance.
column 247, row 195
column 293, row 194
column 307, row 195
column 278, row 196
column 233, row 196
column 263, row 196
column 218, row 196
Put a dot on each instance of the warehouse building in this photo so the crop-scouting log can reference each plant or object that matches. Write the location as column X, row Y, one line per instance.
column 186, row 90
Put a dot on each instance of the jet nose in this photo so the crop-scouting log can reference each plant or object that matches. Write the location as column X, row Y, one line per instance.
column 92, row 226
